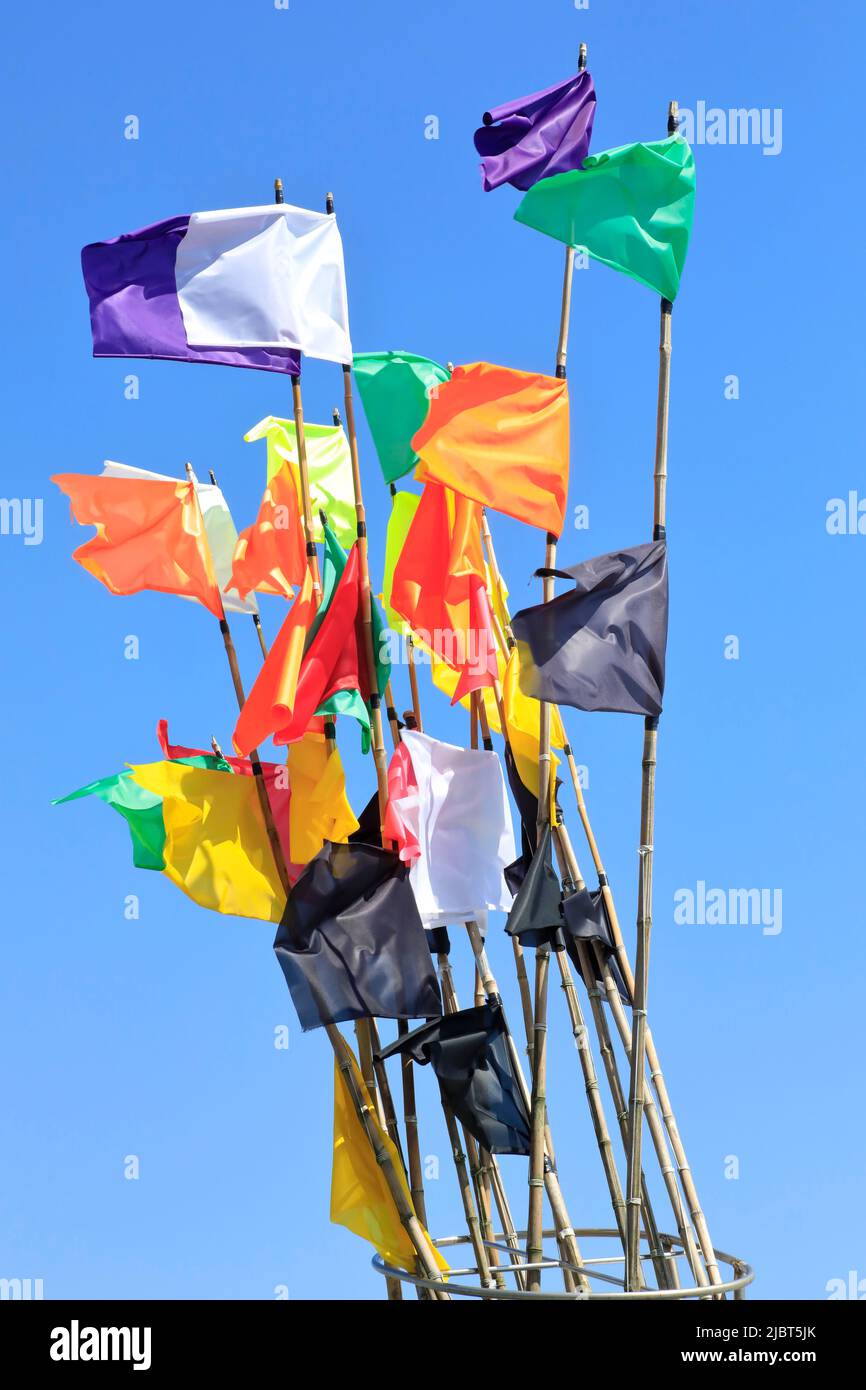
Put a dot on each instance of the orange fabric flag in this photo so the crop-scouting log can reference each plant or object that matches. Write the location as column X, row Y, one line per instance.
column 149, row 535
column 270, row 555
column 270, row 703
column 438, row 586
column 501, row 438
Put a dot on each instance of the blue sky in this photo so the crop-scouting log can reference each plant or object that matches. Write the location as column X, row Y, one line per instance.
column 156, row 1037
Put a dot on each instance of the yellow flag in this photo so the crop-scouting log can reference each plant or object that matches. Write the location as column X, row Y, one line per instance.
column 319, row 809
column 216, row 847
column 523, row 717
column 360, row 1198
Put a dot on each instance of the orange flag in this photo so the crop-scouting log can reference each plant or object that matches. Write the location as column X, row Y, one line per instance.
column 501, row 438
column 271, row 701
column 270, row 555
column 438, row 586
column 149, row 535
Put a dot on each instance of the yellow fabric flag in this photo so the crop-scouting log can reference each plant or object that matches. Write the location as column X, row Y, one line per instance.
column 216, row 846
column 360, row 1198
column 319, row 809
column 523, row 718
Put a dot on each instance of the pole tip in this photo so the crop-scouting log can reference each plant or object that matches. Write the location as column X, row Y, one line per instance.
column 323, row 517
column 278, row 190
column 329, row 202
column 337, row 418
column 189, row 470
column 581, row 58
column 673, row 117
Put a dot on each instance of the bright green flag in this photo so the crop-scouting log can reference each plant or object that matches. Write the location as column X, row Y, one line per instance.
column 630, row 208
column 141, row 809
column 395, row 391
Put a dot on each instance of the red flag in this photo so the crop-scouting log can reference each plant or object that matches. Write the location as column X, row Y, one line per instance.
column 271, row 701
column 270, row 555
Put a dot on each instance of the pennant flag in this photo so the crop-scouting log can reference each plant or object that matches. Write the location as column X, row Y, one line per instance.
column 134, row 308
column 271, row 554
column 270, row 703
column 329, row 469
column 351, row 943
column 319, row 808
column 438, row 587
column 216, row 846
column 630, row 208
column 149, row 535
column 219, row 527
column 463, row 831
column 602, row 646
column 470, row 1054
column 141, row 810
column 360, row 1197
column 534, row 137
column 585, row 919
column 395, row 390
column 536, row 916
column 500, row 437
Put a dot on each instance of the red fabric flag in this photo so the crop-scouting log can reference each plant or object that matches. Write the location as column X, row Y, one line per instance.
column 270, row 702
column 270, row 556
column 439, row 586
column 401, row 813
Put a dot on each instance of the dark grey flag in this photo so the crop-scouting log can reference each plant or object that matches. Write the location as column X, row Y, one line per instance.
column 351, row 942
column 585, row 919
column 601, row 646
column 536, row 913
column 470, row 1055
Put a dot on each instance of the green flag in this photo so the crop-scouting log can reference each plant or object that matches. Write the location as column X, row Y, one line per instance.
column 630, row 208
column 141, row 809
column 395, row 391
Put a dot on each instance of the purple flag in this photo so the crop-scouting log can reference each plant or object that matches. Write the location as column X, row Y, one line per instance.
column 134, row 309
column 537, row 136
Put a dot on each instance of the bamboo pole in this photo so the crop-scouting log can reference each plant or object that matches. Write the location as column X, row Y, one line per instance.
column 257, row 622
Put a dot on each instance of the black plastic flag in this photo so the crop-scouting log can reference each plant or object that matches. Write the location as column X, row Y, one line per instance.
column 536, row 915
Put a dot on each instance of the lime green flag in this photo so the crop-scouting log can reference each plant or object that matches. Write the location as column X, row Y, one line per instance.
column 630, row 208
column 329, row 469
column 395, row 391
column 403, row 508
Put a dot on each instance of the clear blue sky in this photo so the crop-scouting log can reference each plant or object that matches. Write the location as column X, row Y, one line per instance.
column 155, row 1037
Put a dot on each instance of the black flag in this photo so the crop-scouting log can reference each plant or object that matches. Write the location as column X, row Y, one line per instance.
column 585, row 919
column 602, row 646
column 536, row 914
column 351, row 943
column 470, row 1055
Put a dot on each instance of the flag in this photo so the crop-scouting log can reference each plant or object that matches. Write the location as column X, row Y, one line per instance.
column 523, row 728
column 216, row 846
column 319, row 808
column 361, row 1199
column 463, row 830
column 585, row 919
column 271, row 554
column 351, row 943
column 134, row 308
column 395, row 390
column 630, row 208
column 536, row 916
column 438, row 587
column 329, row 470
column 270, row 702
column 141, row 810
column 601, row 646
column 470, row 1054
column 219, row 527
column 149, row 535
column 404, row 506
column 500, row 437
column 264, row 277
column 401, row 812
column 533, row 137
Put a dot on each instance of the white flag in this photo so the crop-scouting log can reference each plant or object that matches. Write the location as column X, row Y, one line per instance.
column 464, row 831
column 270, row 276
column 221, row 533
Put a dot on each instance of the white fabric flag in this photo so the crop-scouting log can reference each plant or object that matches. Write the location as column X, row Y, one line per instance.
column 464, row 831
column 218, row 524
column 269, row 276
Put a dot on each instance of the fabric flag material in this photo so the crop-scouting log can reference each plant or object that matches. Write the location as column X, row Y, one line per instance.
column 351, row 944
column 463, row 830
column 265, row 277
column 319, row 808
column 216, row 845
column 523, row 724
column 601, row 646
column 470, row 1054
column 630, row 208
column 149, row 535
column 329, row 469
column 536, row 915
column 527, row 807
column 585, row 919
column 500, row 437
column 395, row 390
column 360, row 1197
column 271, row 554
column 401, row 814
column 438, row 587
column 271, row 701
column 404, row 505
column 134, row 308
column 221, row 532
column 141, row 810
column 534, row 137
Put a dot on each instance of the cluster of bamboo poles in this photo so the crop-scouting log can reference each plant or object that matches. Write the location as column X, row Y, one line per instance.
column 479, row 1177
